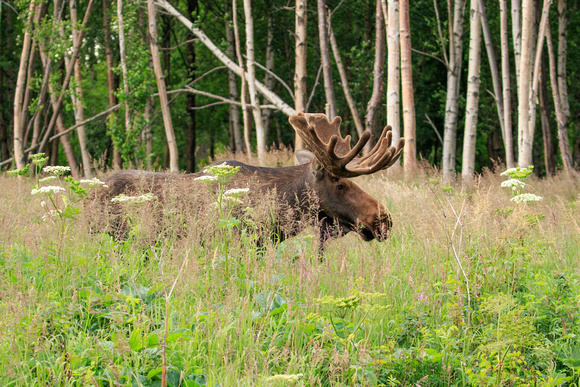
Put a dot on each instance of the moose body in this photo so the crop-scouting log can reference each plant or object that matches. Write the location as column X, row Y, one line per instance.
column 318, row 184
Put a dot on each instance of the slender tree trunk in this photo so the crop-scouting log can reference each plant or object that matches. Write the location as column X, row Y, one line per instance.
column 517, row 37
column 545, row 120
column 393, row 70
column 452, row 100
column 378, row 71
column 472, row 103
column 563, row 140
column 269, row 78
column 191, row 69
column 233, row 87
column 562, row 72
column 505, row 68
column 110, row 75
column 19, row 140
column 344, row 81
column 409, row 124
column 78, row 100
column 245, row 115
column 123, row 59
column 325, row 58
column 171, row 143
column 300, row 75
column 250, row 64
column 524, row 150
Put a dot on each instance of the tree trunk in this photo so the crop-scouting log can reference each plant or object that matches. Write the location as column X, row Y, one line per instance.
column 190, row 142
column 300, row 75
column 254, row 100
column 344, row 81
column 78, row 99
column 269, row 78
column 325, row 59
column 409, row 124
column 517, row 37
column 123, row 59
column 452, row 100
column 172, row 145
column 545, row 120
column 245, row 115
column 562, row 71
column 233, row 87
column 563, row 140
column 19, row 140
column 505, row 69
column 378, row 71
column 472, row 103
column 393, row 70
column 524, row 150
column 110, row 75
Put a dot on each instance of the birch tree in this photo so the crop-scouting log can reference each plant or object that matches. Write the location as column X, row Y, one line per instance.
column 506, row 87
column 452, row 99
column 300, row 74
column 378, row 70
column 393, row 70
column 410, row 151
column 171, row 143
column 472, row 103
column 325, row 59
column 233, row 86
column 251, row 71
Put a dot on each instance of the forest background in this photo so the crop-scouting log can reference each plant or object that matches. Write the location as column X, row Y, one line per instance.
column 159, row 86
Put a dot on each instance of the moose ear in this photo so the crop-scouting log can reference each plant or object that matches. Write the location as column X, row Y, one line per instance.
column 304, row 156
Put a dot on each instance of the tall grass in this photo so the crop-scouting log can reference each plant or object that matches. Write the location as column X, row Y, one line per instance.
column 469, row 289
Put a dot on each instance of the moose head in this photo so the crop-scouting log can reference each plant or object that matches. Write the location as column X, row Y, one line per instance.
column 332, row 161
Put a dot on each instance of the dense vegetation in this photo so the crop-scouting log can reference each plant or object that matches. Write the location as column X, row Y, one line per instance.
column 471, row 288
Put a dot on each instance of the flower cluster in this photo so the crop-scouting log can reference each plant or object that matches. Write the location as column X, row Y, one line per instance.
column 514, row 184
column 49, row 189
column 526, row 197
column 134, row 199
column 56, row 170
column 518, row 173
column 94, row 183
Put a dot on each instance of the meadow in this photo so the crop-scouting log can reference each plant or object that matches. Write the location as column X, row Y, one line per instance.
column 470, row 289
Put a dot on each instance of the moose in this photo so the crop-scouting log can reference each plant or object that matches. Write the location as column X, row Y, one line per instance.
column 323, row 171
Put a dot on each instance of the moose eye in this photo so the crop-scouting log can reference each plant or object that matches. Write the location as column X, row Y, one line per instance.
column 340, row 187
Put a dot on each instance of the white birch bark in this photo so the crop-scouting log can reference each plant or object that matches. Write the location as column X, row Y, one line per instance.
column 451, row 103
column 251, row 71
column 472, row 103
column 393, row 70
column 233, row 90
column 378, row 70
column 517, row 37
column 409, row 122
column 245, row 115
column 269, row 77
column 163, row 101
column 123, row 60
column 325, row 58
column 300, row 75
column 524, row 146
column 562, row 59
column 505, row 66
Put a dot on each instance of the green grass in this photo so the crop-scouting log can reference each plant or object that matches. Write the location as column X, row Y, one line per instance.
column 78, row 307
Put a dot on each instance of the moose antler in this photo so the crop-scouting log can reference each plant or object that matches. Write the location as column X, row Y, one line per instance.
column 334, row 152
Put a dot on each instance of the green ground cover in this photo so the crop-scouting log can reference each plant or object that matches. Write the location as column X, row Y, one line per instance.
column 470, row 289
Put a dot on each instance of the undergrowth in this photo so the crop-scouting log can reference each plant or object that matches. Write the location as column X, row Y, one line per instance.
column 470, row 289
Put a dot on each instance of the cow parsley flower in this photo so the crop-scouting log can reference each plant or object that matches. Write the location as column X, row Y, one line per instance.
column 94, row 182
column 514, row 184
column 526, row 197
column 56, row 169
column 47, row 179
column 50, row 189
column 288, row 378
column 134, row 199
column 206, row 178
column 235, row 191
column 518, row 173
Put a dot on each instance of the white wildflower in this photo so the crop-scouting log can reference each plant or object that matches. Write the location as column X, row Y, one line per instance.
column 134, row 199
column 47, row 179
column 206, row 178
column 507, row 172
column 56, row 169
column 514, row 184
column 93, row 182
column 291, row 378
column 236, row 191
column 526, row 197
column 50, row 189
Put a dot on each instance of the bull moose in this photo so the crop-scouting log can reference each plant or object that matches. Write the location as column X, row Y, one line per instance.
column 323, row 172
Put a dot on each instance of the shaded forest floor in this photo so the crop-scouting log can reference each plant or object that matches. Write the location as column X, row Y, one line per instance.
column 469, row 289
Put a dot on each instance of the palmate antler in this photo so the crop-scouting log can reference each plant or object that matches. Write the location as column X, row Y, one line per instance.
column 334, row 152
